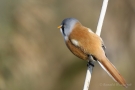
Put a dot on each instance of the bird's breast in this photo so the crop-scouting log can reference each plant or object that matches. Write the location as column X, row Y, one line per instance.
column 76, row 50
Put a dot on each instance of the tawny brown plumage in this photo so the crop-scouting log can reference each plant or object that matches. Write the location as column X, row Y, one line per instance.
column 91, row 44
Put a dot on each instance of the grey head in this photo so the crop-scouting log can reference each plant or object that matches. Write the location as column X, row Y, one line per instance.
column 67, row 25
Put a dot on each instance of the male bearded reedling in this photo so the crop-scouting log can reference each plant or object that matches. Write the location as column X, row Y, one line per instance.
column 84, row 43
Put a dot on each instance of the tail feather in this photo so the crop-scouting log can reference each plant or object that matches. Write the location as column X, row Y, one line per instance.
column 112, row 71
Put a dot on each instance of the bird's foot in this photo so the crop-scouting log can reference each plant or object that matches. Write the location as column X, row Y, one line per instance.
column 90, row 63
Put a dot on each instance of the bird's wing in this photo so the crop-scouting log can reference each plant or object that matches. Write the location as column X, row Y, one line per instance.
column 103, row 45
column 91, row 44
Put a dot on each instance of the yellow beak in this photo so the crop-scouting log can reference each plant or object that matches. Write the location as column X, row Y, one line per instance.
column 59, row 26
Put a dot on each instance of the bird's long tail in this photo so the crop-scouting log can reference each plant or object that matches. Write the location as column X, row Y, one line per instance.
column 112, row 71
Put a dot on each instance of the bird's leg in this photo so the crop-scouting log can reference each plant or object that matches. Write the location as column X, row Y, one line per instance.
column 91, row 60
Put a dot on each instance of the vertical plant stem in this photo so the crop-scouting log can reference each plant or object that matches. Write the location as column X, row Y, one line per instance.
column 98, row 32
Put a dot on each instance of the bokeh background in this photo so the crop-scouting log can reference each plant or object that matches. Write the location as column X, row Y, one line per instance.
column 33, row 55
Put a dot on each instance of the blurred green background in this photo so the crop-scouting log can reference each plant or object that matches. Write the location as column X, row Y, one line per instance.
column 33, row 55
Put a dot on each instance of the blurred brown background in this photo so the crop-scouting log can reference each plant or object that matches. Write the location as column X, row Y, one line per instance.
column 33, row 55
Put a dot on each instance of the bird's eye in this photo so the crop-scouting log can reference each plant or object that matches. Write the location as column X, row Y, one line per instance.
column 63, row 30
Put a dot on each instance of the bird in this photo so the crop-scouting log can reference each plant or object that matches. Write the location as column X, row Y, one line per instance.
column 84, row 43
